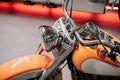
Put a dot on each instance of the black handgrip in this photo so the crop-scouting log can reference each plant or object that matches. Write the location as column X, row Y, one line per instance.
column 115, row 51
column 116, row 48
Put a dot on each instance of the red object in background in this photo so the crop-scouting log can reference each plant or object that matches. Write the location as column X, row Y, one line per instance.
column 109, row 19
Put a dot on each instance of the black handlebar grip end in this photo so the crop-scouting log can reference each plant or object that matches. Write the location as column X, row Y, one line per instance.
column 117, row 47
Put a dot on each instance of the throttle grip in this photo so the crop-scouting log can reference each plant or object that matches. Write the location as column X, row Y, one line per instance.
column 115, row 51
column 116, row 48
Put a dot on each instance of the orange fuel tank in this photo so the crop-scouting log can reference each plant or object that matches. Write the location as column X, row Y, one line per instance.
column 89, row 60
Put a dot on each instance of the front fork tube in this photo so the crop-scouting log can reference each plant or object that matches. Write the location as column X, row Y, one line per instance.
column 50, row 72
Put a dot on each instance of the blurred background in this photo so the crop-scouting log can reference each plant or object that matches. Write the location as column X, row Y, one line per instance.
column 19, row 24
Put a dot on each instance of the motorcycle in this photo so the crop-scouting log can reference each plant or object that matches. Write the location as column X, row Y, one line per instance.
column 91, row 53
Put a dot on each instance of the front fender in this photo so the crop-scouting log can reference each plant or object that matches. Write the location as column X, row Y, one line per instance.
column 24, row 64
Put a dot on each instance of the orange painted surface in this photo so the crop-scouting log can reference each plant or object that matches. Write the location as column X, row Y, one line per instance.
column 109, row 19
column 24, row 64
column 82, row 53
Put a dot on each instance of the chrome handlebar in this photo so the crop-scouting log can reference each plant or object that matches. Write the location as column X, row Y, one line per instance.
column 98, row 36
column 89, row 43
column 66, row 31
